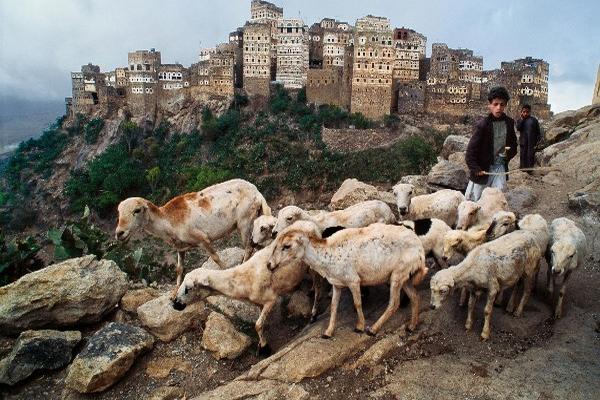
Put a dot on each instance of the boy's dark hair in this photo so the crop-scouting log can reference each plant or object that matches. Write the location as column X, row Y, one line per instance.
column 498, row 92
column 526, row 106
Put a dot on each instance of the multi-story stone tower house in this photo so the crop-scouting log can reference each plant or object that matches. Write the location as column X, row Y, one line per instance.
column 292, row 53
column 596, row 97
column 527, row 82
column 408, row 90
column 215, row 70
column 86, row 86
column 260, row 51
column 236, row 39
column 143, row 78
column 453, row 81
column 330, row 73
column 373, row 67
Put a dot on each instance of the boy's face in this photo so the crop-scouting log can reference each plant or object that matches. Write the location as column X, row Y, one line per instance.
column 525, row 113
column 496, row 107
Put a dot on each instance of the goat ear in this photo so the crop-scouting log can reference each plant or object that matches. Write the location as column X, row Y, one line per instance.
column 490, row 229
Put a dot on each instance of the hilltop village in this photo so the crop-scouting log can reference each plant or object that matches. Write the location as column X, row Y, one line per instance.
column 369, row 68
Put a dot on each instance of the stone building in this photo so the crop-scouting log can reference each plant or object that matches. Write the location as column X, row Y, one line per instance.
column 454, row 81
column 263, row 11
column 409, row 51
column 373, row 67
column 258, row 67
column 330, row 73
column 526, row 80
column 596, row 95
column 143, row 78
column 292, row 53
column 214, row 72
column 85, row 88
column 236, row 40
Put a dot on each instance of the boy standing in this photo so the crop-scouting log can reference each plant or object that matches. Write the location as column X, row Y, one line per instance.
column 491, row 147
column 529, row 129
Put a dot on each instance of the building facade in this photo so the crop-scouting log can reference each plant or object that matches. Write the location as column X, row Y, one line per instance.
column 292, row 53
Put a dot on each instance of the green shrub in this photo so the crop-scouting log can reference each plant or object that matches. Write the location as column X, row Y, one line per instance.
column 92, row 130
column 17, row 258
column 280, row 100
column 205, row 176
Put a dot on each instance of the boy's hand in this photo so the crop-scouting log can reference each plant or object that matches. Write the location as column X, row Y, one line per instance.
column 481, row 173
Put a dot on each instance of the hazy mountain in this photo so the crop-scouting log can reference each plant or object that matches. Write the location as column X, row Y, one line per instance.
column 23, row 119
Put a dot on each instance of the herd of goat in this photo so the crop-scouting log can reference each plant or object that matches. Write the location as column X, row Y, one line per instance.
column 363, row 245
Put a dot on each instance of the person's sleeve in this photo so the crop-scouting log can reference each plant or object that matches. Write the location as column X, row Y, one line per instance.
column 511, row 141
column 473, row 149
column 538, row 132
column 520, row 125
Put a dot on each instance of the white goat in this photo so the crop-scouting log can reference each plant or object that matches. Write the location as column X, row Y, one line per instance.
column 442, row 204
column 566, row 252
column 475, row 216
column 252, row 281
column 494, row 266
column 355, row 216
column 431, row 232
column 359, row 256
column 262, row 230
column 462, row 242
column 196, row 219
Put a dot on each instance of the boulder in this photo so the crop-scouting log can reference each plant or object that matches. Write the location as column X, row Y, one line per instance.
column 299, row 305
column 37, row 350
column 586, row 199
column 419, row 182
column 108, row 355
column 222, row 339
column 555, row 178
column 76, row 291
column 556, row 134
column 352, row 191
column 520, row 198
column 166, row 323
column 135, row 298
column 448, row 175
column 231, row 257
column 168, row 393
column 236, row 310
column 454, row 144
column 266, row 389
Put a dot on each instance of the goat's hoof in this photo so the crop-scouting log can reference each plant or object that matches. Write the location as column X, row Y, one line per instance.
column 370, row 332
column 313, row 319
column 359, row 330
column 264, row 351
column 325, row 336
column 178, row 306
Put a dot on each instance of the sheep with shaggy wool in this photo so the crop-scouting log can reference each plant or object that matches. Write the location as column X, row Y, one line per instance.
column 442, row 204
column 566, row 252
column 474, row 216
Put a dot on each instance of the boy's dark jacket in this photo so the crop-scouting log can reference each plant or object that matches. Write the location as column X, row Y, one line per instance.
column 480, row 150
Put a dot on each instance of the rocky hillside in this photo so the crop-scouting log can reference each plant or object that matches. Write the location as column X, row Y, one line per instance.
column 116, row 338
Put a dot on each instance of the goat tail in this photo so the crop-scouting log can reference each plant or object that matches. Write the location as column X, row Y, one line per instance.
column 420, row 274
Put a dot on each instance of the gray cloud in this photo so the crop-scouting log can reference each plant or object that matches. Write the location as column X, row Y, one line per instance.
column 42, row 41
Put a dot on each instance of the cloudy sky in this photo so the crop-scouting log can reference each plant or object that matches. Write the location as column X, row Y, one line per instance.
column 41, row 41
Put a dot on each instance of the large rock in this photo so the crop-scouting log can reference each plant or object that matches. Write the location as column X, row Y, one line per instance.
column 165, row 322
column 556, row 134
column 448, row 174
column 107, row 357
column 135, row 298
column 37, row 350
column 168, row 393
column 267, row 389
column 352, row 191
column 161, row 368
column 419, row 182
column 520, row 198
column 586, row 199
column 236, row 310
column 222, row 339
column 231, row 257
column 76, row 291
column 454, row 144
